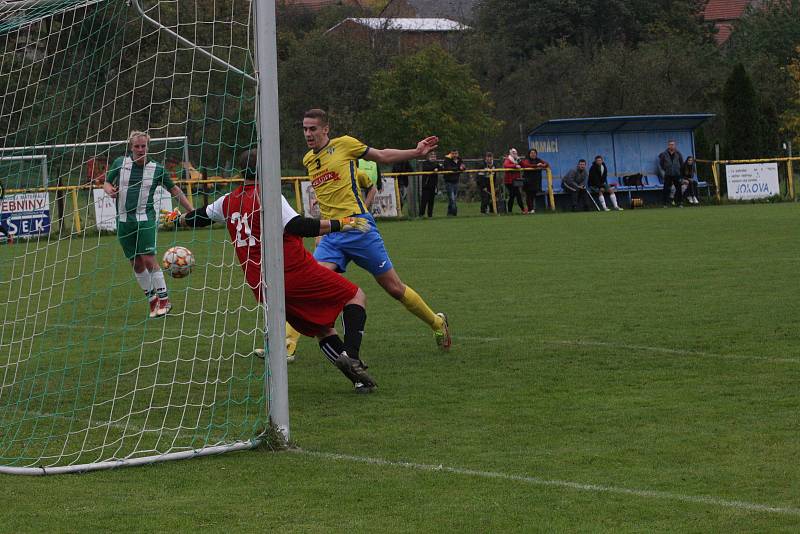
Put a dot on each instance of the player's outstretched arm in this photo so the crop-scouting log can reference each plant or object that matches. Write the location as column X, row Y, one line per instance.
column 176, row 192
column 308, row 227
column 393, row 155
column 196, row 218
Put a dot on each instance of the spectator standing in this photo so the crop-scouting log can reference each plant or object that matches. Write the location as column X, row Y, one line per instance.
column 483, row 180
column 402, row 181
column 575, row 182
column 670, row 163
column 532, row 177
column 598, row 182
column 430, row 183
column 689, row 185
column 512, row 180
column 454, row 164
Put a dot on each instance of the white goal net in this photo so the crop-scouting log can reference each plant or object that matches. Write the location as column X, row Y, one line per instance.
column 88, row 379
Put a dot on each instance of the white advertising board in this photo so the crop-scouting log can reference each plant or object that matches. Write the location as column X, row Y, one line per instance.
column 105, row 211
column 384, row 204
column 105, row 207
column 752, row 180
column 26, row 214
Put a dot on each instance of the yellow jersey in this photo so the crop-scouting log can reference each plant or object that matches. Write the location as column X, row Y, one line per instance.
column 363, row 179
column 334, row 176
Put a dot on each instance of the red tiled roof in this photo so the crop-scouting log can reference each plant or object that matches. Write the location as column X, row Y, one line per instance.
column 724, row 31
column 718, row 10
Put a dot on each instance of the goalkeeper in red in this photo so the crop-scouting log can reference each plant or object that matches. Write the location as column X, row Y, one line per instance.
column 315, row 296
column 332, row 168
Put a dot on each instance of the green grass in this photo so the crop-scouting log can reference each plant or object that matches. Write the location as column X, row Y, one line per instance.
column 651, row 350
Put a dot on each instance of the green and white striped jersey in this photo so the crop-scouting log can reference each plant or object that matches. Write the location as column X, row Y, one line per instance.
column 136, row 185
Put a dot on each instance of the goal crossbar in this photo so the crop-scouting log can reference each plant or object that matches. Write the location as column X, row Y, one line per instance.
column 89, row 143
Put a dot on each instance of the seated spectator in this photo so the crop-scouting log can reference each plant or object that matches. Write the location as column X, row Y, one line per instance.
column 532, row 177
column 512, row 180
column 689, row 186
column 598, row 182
column 483, row 179
column 574, row 182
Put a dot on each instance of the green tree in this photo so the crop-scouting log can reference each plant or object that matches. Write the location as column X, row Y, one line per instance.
column 510, row 32
column 766, row 41
column 564, row 81
column 791, row 117
column 743, row 123
column 321, row 71
column 429, row 93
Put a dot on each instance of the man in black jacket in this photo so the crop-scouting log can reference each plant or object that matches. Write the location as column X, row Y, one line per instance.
column 430, row 183
column 402, row 181
column 483, row 179
column 670, row 162
column 454, row 164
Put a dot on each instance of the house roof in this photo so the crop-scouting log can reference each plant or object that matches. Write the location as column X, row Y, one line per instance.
column 630, row 123
column 725, row 10
column 407, row 24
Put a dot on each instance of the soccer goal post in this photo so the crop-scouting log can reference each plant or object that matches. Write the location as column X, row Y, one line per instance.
column 93, row 375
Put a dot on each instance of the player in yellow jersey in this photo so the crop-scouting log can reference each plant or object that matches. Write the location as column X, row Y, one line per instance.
column 369, row 191
column 332, row 168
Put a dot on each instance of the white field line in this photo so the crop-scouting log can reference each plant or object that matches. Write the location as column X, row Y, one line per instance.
column 677, row 352
column 538, row 481
column 576, row 342
column 611, row 345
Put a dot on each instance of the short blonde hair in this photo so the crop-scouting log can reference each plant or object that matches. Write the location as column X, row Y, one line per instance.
column 136, row 133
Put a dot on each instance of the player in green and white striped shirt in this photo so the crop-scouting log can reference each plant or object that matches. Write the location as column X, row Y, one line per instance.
column 132, row 180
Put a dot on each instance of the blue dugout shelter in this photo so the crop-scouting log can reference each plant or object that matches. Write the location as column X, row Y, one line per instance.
column 629, row 145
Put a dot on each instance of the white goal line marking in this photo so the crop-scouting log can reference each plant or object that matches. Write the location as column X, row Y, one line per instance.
column 538, row 481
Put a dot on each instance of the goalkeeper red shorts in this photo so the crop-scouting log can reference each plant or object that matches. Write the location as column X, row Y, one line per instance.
column 315, row 296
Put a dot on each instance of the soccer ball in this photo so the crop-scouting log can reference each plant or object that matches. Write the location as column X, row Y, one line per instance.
column 178, row 262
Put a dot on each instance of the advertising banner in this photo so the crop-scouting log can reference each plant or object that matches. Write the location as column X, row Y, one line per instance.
column 26, row 214
column 105, row 207
column 384, row 204
column 752, row 180
column 105, row 211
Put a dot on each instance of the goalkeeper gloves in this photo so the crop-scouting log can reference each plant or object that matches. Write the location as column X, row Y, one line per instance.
column 168, row 218
column 357, row 224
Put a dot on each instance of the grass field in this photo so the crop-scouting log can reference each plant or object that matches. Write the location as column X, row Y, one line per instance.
column 619, row 372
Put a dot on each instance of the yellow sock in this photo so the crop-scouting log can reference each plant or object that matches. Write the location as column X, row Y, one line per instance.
column 414, row 303
column 292, row 336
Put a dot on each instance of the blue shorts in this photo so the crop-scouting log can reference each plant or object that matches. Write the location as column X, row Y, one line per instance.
column 367, row 249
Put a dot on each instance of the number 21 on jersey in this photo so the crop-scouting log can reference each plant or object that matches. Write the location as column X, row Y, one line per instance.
column 244, row 234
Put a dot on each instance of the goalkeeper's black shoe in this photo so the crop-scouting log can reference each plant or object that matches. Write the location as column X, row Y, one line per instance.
column 356, row 371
